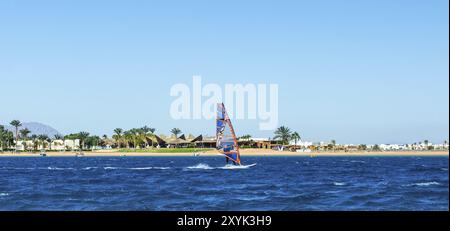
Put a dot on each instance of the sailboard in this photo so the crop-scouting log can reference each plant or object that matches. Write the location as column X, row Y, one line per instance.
column 227, row 143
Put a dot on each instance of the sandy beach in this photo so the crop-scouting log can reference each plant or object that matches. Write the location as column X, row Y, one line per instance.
column 244, row 152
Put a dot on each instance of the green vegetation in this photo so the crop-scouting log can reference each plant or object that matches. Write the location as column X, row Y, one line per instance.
column 16, row 124
column 296, row 137
column 376, row 147
column 362, row 147
column 144, row 140
column 118, row 136
column 166, row 150
column 245, row 137
column 6, row 138
column 135, row 138
column 284, row 134
column 24, row 133
column 176, row 131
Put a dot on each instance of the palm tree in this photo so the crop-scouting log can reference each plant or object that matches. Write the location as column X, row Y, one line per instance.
column 43, row 139
column 145, row 129
column 82, row 136
column 24, row 144
column 333, row 144
column 4, row 134
column 176, row 132
column 35, row 140
column 132, row 136
column 144, row 132
column 284, row 134
column 61, row 137
column 296, row 137
column 49, row 140
column 118, row 136
column 24, row 136
column 140, row 137
column 376, row 147
column 16, row 124
column 151, row 135
column 246, row 137
column 92, row 142
column 24, row 133
column 127, row 137
column 362, row 147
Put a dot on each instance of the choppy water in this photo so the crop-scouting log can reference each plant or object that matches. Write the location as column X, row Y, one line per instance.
column 204, row 183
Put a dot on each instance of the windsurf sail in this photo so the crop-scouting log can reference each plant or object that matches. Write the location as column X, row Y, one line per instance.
column 226, row 138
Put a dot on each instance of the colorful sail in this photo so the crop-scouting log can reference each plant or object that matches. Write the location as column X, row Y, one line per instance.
column 226, row 138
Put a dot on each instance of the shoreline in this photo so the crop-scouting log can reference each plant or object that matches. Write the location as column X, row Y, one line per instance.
column 244, row 152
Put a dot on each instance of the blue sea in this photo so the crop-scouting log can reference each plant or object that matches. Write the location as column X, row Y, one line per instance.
column 205, row 183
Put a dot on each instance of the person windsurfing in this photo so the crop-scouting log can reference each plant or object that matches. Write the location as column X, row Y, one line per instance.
column 226, row 138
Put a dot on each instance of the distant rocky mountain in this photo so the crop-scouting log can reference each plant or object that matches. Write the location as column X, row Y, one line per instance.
column 36, row 129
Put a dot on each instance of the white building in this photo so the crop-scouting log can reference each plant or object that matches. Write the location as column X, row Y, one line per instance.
column 301, row 143
column 440, row 146
column 256, row 139
column 57, row 145
column 393, row 147
column 60, row 145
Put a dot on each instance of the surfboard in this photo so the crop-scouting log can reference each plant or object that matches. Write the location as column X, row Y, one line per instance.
column 238, row 166
column 247, row 166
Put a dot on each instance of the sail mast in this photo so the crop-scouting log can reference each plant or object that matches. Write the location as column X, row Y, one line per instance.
column 226, row 137
column 236, row 144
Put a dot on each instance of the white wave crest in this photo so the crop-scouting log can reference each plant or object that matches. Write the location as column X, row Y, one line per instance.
column 200, row 166
column 149, row 168
column 4, row 194
column 60, row 169
column 110, row 168
column 358, row 161
column 141, row 168
column 137, row 168
column 11, row 168
column 424, row 183
column 89, row 168
column 339, row 183
column 161, row 168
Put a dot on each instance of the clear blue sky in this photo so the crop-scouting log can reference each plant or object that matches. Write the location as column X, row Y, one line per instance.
column 353, row 71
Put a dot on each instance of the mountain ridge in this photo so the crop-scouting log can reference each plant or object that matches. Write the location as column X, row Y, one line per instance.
column 36, row 128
